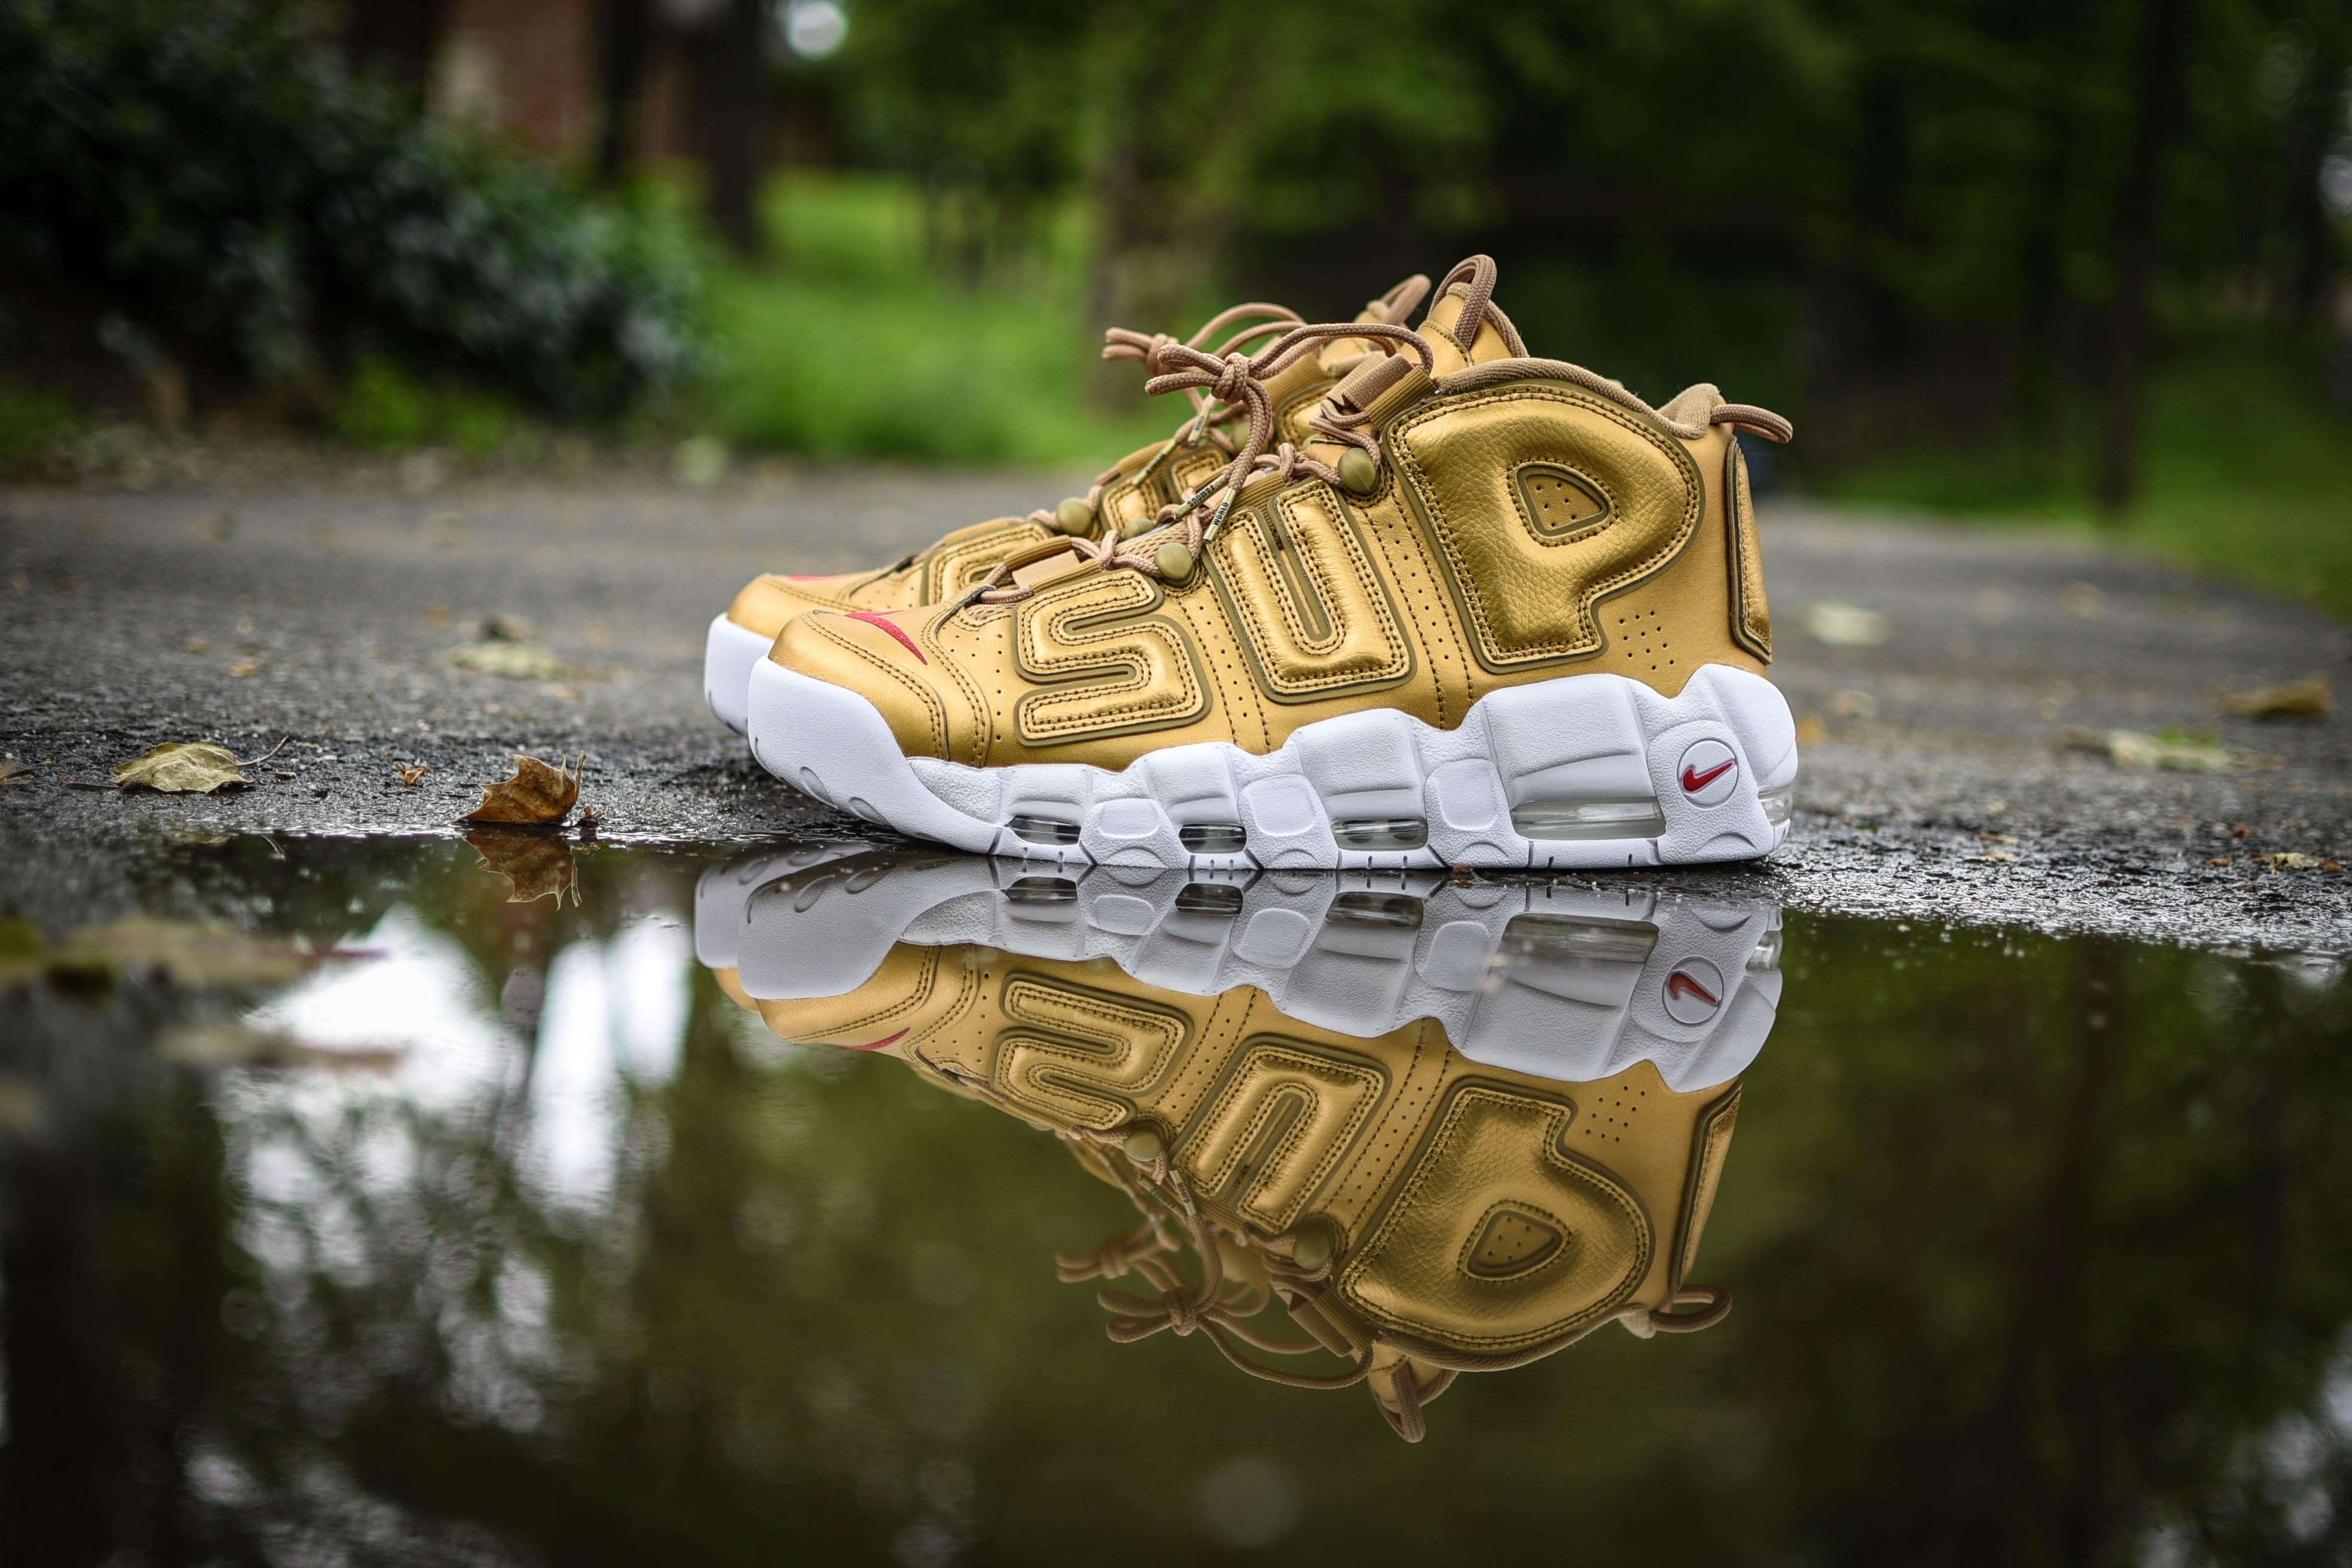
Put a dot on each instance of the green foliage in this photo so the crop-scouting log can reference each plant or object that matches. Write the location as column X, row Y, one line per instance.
column 207, row 170
column 851, row 344
column 32, row 425
column 387, row 408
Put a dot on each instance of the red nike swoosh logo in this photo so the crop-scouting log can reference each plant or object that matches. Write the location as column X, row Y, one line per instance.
column 1681, row 984
column 872, row 619
column 1693, row 782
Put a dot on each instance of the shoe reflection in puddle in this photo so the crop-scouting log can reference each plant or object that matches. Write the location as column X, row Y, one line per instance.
column 1450, row 1127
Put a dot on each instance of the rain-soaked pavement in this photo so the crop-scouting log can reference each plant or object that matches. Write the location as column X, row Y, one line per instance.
column 1963, row 1184
column 257, row 597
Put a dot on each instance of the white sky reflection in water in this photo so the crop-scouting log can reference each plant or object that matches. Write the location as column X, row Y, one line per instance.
column 423, row 997
column 616, row 1014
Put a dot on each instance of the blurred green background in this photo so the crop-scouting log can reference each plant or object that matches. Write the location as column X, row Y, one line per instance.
column 2078, row 260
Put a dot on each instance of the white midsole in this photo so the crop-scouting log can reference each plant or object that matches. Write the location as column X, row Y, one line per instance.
column 1596, row 737
column 728, row 653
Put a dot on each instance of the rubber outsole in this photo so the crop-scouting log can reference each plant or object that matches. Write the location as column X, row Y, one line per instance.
column 729, row 653
column 1565, row 983
column 1543, row 747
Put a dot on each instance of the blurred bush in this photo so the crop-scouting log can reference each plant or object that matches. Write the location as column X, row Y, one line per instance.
column 235, row 199
column 851, row 341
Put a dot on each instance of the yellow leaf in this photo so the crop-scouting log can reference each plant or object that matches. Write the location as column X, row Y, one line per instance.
column 537, row 797
column 409, row 775
column 180, row 767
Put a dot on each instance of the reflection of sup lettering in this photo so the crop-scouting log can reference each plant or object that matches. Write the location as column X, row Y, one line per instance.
column 1679, row 984
column 1695, row 782
column 1080, row 1057
column 1499, row 1244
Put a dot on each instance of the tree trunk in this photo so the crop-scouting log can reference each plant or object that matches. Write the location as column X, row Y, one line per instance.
column 2311, row 133
column 625, row 35
column 2139, row 235
column 736, row 57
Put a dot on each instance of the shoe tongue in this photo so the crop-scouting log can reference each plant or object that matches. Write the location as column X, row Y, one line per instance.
column 1442, row 330
column 1390, row 308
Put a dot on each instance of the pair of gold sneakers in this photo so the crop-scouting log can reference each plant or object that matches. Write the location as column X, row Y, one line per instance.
column 1392, row 597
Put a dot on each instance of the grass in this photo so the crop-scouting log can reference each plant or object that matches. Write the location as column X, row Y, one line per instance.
column 849, row 343
column 2247, row 470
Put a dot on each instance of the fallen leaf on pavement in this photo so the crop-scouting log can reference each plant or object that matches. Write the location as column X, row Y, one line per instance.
column 2171, row 751
column 409, row 775
column 537, row 797
column 180, row 767
column 184, row 767
column 534, row 865
column 14, row 773
column 2290, row 861
column 1845, row 625
column 246, row 669
column 2305, row 699
column 512, row 660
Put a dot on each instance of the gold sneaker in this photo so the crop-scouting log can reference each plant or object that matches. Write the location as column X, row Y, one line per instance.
column 1448, row 1126
column 1128, row 494
column 1499, row 612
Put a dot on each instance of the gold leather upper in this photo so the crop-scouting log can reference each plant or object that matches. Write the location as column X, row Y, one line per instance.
column 1418, row 1213
column 1520, row 529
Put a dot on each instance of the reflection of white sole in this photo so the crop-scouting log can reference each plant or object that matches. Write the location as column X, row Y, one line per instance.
column 728, row 654
column 723, row 890
column 1583, row 771
column 1565, row 983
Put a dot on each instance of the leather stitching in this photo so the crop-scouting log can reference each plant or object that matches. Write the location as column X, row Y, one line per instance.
column 933, row 712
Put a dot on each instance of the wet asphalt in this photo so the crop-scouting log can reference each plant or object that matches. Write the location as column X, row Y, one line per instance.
column 326, row 606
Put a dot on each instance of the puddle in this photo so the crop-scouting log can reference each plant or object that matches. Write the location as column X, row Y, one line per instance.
column 403, row 1202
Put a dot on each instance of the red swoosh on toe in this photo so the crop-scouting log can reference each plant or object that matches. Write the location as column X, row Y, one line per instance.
column 907, row 642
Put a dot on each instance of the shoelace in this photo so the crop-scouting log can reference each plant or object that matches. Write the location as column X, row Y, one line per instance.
column 1220, row 1313
column 1237, row 381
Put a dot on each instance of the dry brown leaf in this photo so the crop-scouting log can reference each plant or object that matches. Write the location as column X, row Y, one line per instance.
column 180, row 767
column 537, row 797
column 14, row 771
column 409, row 775
column 534, row 865
column 2307, row 699
column 244, row 669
